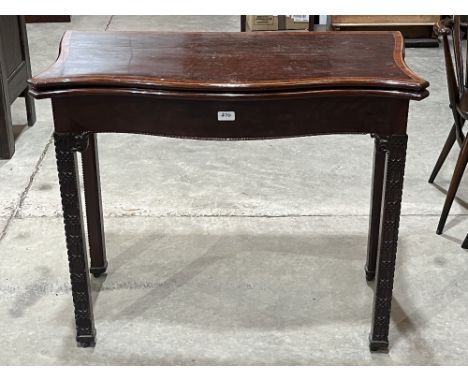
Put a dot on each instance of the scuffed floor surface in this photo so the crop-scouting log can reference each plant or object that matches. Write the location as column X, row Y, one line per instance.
column 231, row 253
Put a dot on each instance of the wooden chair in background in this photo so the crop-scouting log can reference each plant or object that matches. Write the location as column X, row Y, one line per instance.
column 457, row 81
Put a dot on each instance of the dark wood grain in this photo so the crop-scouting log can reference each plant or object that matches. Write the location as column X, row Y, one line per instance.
column 230, row 62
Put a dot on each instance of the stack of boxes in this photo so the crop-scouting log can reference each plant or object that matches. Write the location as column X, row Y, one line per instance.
column 270, row 23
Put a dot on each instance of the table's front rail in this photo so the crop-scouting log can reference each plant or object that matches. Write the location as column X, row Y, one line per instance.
column 234, row 118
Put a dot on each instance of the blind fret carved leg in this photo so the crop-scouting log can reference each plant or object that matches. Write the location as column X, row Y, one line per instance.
column 395, row 149
column 66, row 146
column 376, row 206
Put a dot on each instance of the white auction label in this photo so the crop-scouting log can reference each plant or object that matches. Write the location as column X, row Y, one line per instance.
column 226, row 115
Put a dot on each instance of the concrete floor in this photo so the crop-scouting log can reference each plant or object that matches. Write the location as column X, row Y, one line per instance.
column 231, row 252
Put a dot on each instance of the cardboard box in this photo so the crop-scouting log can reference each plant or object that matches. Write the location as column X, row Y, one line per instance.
column 262, row 23
column 297, row 22
column 270, row 23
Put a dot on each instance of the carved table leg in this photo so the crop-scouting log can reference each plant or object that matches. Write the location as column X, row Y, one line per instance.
column 376, row 206
column 395, row 148
column 92, row 192
column 66, row 146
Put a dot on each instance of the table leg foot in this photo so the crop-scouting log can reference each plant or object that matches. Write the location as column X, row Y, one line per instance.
column 370, row 275
column 98, row 271
column 86, row 341
column 378, row 346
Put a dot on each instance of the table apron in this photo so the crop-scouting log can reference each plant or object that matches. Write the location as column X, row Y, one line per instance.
column 254, row 119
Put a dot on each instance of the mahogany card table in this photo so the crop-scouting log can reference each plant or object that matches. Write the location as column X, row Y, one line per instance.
column 229, row 86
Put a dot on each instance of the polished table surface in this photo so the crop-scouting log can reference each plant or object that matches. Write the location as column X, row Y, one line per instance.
column 232, row 62
column 229, row 86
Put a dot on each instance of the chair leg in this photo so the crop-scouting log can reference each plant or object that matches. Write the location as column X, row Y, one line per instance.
column 454, row 183
column 243, row 21
column 30, row 108
column 376, row 206
column 465, row 242
column 443, row 154
column 92, row 191
column 395, row 147
column 66, row 146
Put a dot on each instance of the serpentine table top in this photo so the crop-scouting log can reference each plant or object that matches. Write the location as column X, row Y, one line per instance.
column 231, row 62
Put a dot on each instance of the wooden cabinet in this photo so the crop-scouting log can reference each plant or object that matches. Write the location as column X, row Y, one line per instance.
column 15, row 69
